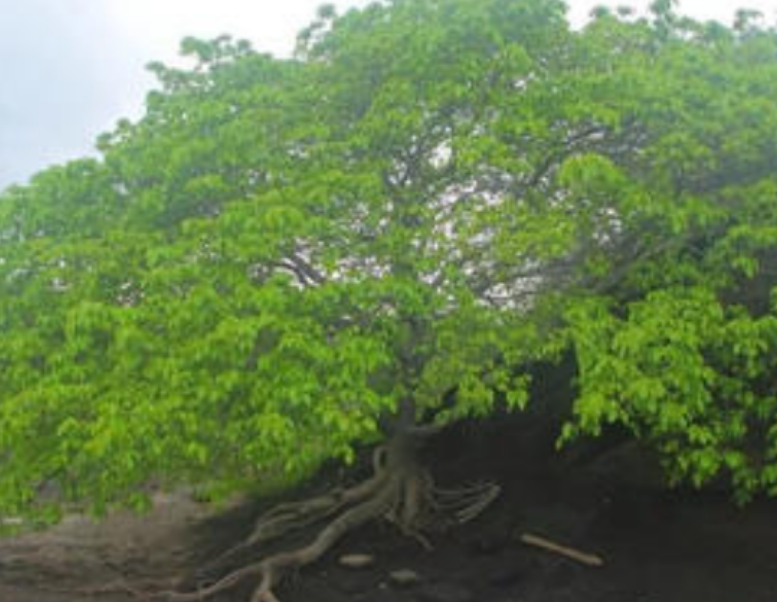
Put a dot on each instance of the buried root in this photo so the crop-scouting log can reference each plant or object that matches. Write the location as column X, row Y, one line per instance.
column 398, row 491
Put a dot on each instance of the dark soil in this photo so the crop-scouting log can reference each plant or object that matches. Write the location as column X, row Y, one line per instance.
column 658, row 545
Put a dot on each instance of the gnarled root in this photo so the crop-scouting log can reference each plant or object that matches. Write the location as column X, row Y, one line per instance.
column 465, row 504
column 286, row 518
column 399, row 491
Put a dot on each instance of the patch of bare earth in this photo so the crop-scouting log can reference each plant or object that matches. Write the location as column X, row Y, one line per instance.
column 83, row 560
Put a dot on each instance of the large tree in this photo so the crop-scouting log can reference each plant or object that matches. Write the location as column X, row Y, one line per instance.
column 285, row 261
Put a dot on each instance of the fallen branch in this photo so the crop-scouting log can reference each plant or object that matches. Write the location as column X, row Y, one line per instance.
column 571, row 553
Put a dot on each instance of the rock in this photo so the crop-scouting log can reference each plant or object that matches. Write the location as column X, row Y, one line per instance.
column 445, row 592
column 404, row 577
column 356, row 561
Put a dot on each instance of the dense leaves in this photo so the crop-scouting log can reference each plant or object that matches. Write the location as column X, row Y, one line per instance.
column 431, row 197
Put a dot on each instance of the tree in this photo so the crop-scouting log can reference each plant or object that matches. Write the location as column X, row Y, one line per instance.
column 285, row 261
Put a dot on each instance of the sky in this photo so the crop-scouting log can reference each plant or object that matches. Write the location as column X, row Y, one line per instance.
column 72, row 68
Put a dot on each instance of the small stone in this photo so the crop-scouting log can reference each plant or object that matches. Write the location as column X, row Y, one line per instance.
column 357, row 561
column 404, row 577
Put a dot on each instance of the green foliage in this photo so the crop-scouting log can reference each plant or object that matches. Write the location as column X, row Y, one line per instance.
column 428, row 199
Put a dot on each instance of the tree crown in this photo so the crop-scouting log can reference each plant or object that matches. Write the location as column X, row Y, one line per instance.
column 426, row 200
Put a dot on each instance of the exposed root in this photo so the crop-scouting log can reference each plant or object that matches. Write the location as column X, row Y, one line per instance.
column 399, row 491
column 466, row 503
column 295, row 516
column 272, row 569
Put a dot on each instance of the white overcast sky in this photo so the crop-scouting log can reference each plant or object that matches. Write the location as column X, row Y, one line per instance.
column 71, row 68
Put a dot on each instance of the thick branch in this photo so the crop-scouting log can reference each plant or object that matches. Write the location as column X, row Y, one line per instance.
column 305, row 273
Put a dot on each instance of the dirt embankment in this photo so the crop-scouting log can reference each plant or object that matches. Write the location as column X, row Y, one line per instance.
column 657, row 546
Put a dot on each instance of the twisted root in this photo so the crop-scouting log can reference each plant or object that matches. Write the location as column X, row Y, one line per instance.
column 398, row 491
column 286, row 518
column 465, row 504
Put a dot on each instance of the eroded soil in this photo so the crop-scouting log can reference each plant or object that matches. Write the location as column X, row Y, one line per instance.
column 658, row 545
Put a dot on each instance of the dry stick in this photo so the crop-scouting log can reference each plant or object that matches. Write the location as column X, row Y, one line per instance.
column 572, row 553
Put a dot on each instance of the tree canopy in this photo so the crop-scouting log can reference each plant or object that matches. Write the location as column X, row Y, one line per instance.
column 283, row 255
